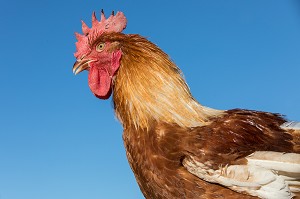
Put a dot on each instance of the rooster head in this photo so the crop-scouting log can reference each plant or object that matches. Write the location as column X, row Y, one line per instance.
column 97, row 55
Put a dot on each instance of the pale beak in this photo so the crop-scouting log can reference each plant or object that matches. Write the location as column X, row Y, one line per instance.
column 81, row 65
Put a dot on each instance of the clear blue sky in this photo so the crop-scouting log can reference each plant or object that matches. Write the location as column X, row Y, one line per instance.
column 57, row 141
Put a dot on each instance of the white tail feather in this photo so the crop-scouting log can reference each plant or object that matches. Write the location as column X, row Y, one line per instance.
column 291, row 125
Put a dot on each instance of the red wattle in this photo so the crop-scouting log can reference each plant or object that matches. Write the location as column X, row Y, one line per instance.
column 99, row 82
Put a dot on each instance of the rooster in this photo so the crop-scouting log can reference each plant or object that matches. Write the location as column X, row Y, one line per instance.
column 176, row 147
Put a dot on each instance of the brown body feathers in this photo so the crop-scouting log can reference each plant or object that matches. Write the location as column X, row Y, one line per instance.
column 156, row 156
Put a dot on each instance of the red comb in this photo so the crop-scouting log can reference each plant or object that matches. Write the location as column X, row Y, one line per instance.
column 115, row 23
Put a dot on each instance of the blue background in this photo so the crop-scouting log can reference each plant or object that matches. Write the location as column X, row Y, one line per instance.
column 57, row 141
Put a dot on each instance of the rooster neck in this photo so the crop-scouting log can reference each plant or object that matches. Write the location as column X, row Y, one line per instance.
column 149, row 87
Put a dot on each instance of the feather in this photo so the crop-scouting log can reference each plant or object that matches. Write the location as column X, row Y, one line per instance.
column 280, row 162
column 291, row 125
column 286, row 165
column 258, row 177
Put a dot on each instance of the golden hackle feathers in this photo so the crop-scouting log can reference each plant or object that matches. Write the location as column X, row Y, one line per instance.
column 150, row 87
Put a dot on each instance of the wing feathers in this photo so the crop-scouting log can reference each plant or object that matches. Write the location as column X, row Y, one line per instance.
column 286, row 162
column 252, row 179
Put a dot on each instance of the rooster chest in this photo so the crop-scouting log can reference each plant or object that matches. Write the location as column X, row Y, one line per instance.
column 159, row 172
column 157, row 176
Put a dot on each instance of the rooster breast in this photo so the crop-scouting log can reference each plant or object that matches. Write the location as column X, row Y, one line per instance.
column 156, row 160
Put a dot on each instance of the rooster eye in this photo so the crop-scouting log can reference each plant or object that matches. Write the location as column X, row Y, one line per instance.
column 100, row 47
